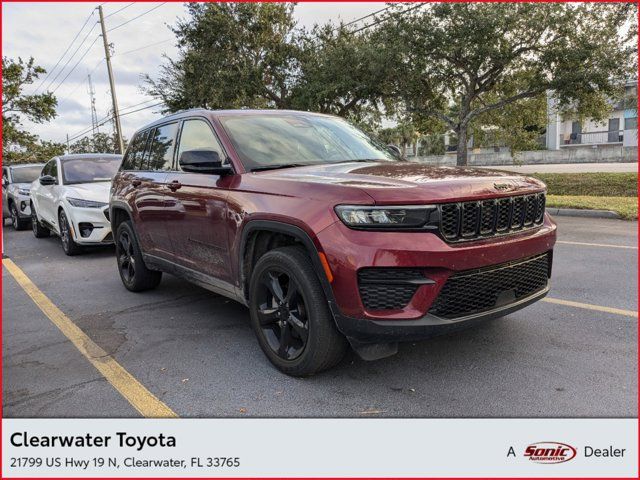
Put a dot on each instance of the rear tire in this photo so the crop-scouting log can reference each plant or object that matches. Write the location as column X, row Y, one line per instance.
column 17, row 222
column 69, row 246
column 38, row 230
column 134, row 274
column 290, row 314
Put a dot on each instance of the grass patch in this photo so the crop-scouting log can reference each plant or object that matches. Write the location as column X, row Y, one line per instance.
column 626, row 207
column 591, row 184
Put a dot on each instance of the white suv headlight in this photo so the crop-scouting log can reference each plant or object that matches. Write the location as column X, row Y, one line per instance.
column 410, row 216
column 80, row 203
column 24, row 191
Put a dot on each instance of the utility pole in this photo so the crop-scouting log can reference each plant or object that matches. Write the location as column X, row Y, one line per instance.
column 116, row 112
column 94, row 114
column 68, row 145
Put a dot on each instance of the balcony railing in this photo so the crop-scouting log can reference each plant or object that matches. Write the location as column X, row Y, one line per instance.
column 591, row 138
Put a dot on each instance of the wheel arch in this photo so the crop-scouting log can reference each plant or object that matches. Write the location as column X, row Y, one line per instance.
column 247, row 255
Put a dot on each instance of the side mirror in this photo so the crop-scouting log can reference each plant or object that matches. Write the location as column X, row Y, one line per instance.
column 47, row 180
column 395, row 150
column 203, row 161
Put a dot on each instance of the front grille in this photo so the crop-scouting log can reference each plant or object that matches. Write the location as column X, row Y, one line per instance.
column 388, row 288
column 473, row 220
column 475, row 291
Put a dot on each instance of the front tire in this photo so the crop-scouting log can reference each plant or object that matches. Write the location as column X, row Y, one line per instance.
column 17, row 222
column 38, row 230
column 134, row 274
column 69, row 246
column 290, row 315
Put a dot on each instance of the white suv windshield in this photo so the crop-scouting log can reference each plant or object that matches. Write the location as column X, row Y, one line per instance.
column 25, row 174
column 277, row 140
column 87, row 170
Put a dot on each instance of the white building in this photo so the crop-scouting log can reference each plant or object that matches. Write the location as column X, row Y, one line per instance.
column 621, row 128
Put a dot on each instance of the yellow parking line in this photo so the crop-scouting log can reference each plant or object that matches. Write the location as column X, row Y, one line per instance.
column 606, row 245
column 131, row 389
column 588, row 306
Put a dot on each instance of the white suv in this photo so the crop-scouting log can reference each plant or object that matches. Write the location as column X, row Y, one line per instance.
column 71, row 199
column 16, row 182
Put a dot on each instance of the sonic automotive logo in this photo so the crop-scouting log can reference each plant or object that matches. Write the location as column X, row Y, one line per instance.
column 550, row 452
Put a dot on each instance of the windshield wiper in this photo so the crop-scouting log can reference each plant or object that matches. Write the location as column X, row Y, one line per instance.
column 276, row 167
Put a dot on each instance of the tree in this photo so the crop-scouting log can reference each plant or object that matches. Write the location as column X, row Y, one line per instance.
column 232, row 55
column 252, row 55
column 18, row 145
column 98, row 143
column 458, row 62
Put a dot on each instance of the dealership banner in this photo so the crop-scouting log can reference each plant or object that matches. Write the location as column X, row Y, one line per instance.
column 319, row 447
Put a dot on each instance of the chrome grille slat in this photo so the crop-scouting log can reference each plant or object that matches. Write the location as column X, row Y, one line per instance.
column 473, row 220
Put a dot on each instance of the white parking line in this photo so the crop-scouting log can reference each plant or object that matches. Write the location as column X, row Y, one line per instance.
column 605, row 245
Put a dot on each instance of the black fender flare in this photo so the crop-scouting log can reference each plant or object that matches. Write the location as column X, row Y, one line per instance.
column 297, row 233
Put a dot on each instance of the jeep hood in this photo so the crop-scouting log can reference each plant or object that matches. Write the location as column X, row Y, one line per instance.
column 389, row 183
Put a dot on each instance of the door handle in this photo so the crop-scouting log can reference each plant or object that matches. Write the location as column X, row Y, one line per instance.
column 136, row 183
column 175, row 185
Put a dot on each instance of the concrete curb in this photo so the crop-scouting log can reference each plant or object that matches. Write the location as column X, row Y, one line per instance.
column 575, row 212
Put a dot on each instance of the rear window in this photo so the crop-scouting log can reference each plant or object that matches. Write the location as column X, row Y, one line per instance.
column 87, row 170
column 135, row 152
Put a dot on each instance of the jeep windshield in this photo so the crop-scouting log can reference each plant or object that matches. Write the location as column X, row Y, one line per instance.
column 269, row 141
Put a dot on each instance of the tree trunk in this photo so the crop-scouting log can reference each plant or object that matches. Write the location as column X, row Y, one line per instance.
column 461, row 153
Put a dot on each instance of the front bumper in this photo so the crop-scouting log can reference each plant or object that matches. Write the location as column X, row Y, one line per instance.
column 23, row 204
column 90, row 226
column 360, row 331
column 348, row 251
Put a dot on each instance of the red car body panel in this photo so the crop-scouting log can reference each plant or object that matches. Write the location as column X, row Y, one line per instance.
column 200, row 225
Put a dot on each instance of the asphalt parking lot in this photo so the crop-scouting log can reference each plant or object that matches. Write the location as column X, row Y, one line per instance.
column 196, row 353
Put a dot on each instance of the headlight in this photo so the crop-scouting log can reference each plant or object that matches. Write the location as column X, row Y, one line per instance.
column 23, row 191
column 79, row 202
column 358, row 216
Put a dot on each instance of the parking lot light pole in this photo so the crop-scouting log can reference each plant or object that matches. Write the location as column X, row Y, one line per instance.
column 112, row 83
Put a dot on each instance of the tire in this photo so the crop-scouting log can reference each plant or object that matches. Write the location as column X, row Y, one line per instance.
column 134, row 274
column 38, row 230
column 17, row 222
column 295, row 328
column 69, row 246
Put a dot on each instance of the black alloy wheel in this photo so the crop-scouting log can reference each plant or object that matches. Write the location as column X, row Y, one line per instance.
column 282, row 314
column 126, row 258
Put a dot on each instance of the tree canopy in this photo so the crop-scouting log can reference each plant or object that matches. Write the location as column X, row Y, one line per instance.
column 458, row 67
column 18, row 145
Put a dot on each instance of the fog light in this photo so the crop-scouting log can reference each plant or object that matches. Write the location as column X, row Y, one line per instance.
column 23, row 205
column 85, row 229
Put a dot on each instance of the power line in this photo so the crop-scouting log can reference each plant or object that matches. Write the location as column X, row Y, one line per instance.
column 136, row 17
column 384, row 19
column 366, row 16
column 142, row 48
column 66, row 51
column 119, row 10
column 72, row 55
column 109, row 118
column 76, row 64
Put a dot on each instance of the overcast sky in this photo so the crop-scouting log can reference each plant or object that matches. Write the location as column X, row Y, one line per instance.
column 45, row 30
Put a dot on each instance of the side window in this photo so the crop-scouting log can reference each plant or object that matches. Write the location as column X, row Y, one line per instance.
column 197, row 135
column 5, row 176
column 162, row 146
column 133, row 157
column 48, row 168
column 54, row 168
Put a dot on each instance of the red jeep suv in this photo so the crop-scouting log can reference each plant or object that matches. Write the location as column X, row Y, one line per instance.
column 327, row 235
